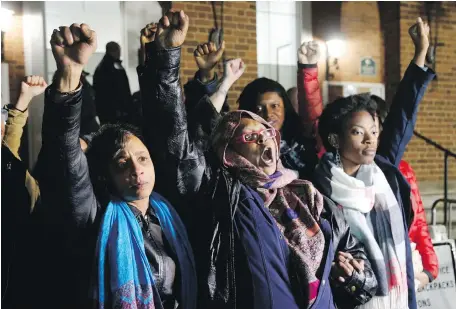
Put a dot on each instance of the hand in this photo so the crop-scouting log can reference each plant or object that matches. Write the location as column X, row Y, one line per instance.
column 344, row 266
column 206, row 57
column 72, row 47
column 233, row 70
column 33, row 85
column 421, row 280
column 417, row 261
column 419, row 33
column 172, row 29
column 30, row 87
column 309, row 53
column 148, row 34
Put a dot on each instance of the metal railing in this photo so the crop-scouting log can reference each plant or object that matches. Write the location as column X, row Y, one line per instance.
column 447, row 215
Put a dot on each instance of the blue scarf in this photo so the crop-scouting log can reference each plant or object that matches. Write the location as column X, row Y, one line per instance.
column 122, row 277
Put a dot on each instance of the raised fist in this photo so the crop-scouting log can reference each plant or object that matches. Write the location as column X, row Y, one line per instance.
column 72, row 46
column 207, row 55
column 33, row 85
column 233, row 70
column 309, row 53
column 419, row 33
column 148, row 34
column 172, row 29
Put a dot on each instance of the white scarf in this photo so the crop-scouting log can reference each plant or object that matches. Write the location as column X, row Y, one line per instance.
column 375, row 218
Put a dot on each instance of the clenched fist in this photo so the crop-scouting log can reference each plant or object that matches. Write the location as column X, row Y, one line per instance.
column 172, row 29
column 419, row 33
column 148, row 34
column 233, row 70
column 72, row 46
column 309, row 53
column 207, row 55
column 31, row 86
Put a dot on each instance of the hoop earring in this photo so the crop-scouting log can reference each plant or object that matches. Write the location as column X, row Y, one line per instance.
column 338, row 161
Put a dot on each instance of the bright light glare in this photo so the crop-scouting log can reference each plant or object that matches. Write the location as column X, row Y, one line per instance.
column 336, row 48
column 6, row 19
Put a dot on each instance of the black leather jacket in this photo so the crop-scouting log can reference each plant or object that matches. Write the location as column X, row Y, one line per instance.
column 66, row 188
column 207, row 195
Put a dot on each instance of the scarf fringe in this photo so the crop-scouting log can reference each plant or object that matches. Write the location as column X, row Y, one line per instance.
column 396, row 299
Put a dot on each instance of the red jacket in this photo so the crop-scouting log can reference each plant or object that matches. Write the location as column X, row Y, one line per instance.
column 310, row 109
column 310, row 102
column 419, row 232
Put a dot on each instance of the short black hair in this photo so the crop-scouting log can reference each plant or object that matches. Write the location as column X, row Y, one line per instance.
column 292, row 128
column 103, row 146
column 336, row 115
column 112, row 47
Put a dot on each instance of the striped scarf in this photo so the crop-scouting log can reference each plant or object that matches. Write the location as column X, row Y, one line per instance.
column 376, row 219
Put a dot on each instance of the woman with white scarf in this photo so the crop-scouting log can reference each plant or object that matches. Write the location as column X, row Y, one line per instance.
column 360, row 174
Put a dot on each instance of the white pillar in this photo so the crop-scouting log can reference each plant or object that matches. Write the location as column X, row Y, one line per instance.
column 34, row 63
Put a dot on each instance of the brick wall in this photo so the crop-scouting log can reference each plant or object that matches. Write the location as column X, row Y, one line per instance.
column 437, row 115
column 358, row 24
column 380, row 30
column 239, row 34
column 14, row 49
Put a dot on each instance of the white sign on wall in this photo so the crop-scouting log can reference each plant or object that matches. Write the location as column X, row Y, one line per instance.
column 440, row 294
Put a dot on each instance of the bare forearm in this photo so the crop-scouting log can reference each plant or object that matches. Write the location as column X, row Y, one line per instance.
column 23, row 102
column 420, row 58
column 68, row 79
column 206, row 75
column 218, row 98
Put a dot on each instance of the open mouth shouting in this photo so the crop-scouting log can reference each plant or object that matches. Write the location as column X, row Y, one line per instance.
column 267, row 157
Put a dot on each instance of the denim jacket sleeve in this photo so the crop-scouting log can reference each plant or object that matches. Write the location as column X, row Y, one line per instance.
column 62, row 168
column 400, row 122
column 179, row 162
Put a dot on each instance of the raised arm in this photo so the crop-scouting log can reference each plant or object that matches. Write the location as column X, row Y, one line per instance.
column 17, row 118
column 233, row 71
column 201, row 117
column 31, row 86
column 205, row 81
column 309, row 94
column 401, row 120
column 179, row 163
column 62, row 169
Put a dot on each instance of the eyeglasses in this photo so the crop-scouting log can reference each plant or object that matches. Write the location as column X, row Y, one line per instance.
column 254, row 137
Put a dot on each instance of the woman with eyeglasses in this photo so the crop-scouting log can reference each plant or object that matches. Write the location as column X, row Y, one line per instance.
column 262, row 238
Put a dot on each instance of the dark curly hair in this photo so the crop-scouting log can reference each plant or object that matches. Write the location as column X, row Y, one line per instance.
column 336, row 115
column 292, row 128
column 103, row 146
column 382, row 108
